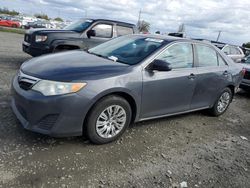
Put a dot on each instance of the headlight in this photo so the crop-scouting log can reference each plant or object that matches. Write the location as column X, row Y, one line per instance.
column 49, row 88
column 41, row 38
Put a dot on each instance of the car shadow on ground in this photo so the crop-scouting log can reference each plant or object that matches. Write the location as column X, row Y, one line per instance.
column 243, row 93
column 31, row 138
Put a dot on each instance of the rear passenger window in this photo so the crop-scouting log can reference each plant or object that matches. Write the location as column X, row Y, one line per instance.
column 206, row 56
column 121, row 30
column 178, row 55
column 103, row 30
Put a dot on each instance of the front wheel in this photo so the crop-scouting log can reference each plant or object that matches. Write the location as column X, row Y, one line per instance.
column 222, row 102
column 108, row 119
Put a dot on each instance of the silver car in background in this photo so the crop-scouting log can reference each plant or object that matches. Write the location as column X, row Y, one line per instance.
column 234, row 52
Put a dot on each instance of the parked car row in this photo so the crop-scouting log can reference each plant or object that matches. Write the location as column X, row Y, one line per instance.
column 28, row 22
column 7, row 22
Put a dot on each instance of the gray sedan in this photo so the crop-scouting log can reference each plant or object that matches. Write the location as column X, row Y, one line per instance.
column 128, row 79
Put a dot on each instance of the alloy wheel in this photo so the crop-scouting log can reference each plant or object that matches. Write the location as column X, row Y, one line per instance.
column 111, row 121
column 223, row 102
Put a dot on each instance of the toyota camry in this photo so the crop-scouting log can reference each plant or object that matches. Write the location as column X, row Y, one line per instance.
column 128, row 79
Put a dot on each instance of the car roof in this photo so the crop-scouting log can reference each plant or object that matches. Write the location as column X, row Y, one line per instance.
column 119, row 22
column 218, row 44
column 168, row 38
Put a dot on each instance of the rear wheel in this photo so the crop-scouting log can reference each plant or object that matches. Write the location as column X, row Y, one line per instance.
column 222, row 102
column 108, row 119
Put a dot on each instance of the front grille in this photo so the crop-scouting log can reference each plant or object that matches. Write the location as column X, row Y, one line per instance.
column 47, row 122
column 247, row 75
column 27, row 38
column 25, row 81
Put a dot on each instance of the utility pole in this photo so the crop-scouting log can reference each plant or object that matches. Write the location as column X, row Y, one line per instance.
column 86, row 13
column 139, row 20
column 218, row 36
column 139, row 17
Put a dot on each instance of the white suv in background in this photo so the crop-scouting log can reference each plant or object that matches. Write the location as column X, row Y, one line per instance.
column 233, row 52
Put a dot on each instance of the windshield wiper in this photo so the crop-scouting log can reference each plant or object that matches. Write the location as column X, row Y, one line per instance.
column 99, row 55
column 115, row 59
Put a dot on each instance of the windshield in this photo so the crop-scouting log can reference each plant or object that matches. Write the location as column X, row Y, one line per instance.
column 79, row 26
column 129, row 49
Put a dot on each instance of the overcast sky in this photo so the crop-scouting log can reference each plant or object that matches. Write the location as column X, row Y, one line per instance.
column 202, row 18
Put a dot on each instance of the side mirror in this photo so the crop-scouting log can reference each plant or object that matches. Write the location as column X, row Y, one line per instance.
column 160, row 65
column 91, row 33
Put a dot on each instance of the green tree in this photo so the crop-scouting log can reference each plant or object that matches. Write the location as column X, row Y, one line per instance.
column 59, row 19
column 42, row 16
column 7, row 11
column 246, row 45
column 143, row 26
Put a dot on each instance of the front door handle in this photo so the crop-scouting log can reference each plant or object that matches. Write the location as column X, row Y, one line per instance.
column 225, row 73
column 191, row 76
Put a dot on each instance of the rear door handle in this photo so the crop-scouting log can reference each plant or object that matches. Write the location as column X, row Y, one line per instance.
column 191, row 76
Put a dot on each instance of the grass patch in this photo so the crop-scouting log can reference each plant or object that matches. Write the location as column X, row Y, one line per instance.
column 12, row 30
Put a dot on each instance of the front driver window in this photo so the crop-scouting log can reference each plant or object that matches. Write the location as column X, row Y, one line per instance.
column 103, row 30
column 178, row 55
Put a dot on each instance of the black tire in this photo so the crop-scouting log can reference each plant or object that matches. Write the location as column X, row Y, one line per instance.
column 96, row 111
column 214, row 110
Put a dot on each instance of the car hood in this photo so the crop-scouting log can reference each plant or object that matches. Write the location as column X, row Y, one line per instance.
column 72, row 66
column 47, row 31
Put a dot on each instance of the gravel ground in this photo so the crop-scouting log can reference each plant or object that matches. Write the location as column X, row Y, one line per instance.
column 192, row 149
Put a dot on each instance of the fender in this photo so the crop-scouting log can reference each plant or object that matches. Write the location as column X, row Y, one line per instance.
column 126, row 91
column 72, row 42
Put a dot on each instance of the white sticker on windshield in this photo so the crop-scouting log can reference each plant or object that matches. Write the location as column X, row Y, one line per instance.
column 154, row 40
column 89, row 21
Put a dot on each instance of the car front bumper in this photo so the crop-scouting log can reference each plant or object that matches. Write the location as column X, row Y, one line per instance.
column 35, row 50
column 57, row 116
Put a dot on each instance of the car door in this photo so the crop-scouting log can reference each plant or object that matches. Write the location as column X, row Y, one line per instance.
column 168, row 92
column 212, row 74
column 103, row 33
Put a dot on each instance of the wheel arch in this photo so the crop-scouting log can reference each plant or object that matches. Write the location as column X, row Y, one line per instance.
column 66, row 46
column 121, row 93
column 232, row 88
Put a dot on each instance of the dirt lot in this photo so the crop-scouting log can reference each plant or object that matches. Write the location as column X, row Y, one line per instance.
column 197, row 149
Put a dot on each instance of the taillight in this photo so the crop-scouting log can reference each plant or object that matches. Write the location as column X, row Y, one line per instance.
column 243, row 71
